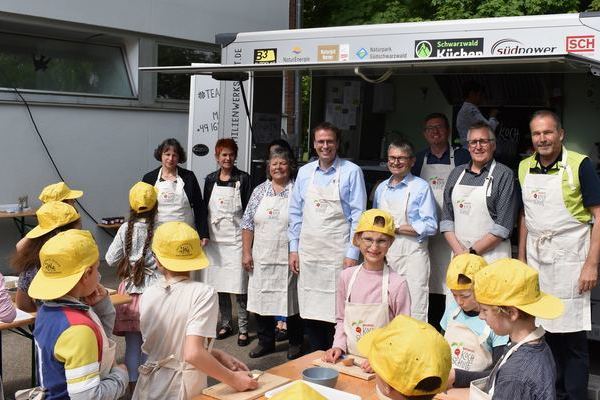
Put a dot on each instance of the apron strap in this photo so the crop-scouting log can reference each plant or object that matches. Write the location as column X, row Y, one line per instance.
column 384, row 283
column 452, row 164
column 489, row 180
column 351, row 283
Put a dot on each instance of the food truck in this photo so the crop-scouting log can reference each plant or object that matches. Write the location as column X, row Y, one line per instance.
column 378, row 82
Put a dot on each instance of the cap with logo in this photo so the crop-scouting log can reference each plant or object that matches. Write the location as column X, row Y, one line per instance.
column 177, row 247
column 59, row 192
column 405, row 352
column 63, row 260
column 510, row 282
column 367, row 219
column 52, row 215
column 142, row 197
column 463, row 264
column 299, row 391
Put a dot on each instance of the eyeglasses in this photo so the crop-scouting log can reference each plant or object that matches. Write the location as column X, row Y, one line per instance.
column 398, row 159
column 367, row 241
column 432, row 128
column 481, row 142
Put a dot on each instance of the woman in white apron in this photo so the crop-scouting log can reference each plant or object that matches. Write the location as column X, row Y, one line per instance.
column 475, row 348
column 272, row 289
column 179, row 195
column 409, row 255
column 370, row 294
column 178, row 317
column 227, row 191
column 527, row 370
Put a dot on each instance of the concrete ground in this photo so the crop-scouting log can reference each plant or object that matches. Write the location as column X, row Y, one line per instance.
column 16, row 350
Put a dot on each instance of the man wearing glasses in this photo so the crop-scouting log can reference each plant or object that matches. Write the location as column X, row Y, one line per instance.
column 434, row 164
column 480, row 201
column 411, row 202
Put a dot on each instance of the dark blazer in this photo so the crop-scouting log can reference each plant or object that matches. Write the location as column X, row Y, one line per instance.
column 192, row 191
column 236, row 175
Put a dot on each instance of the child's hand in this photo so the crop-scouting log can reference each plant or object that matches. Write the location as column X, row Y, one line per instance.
column 97, row 295
column 366, row 366
column 229, row 361
column 242, row 381
column 332, row 355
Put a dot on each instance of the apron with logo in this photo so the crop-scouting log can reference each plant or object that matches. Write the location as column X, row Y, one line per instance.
column 173, row 204
column 440, row 253
column 557, row 246
column 324, row 239
column 360, row 319
column 477, row 392
column 469, row 351
column 472, row 219
column 224, row 250
column 170, row 378
column 409, row 258
column 271, row 285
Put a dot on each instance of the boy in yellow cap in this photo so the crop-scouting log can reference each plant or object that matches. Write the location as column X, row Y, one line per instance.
column 74, row 323
column 509, row 295
column 178, row 316
column 370, row 294
column 410, row 358
column 59, row 192
column 475, row 347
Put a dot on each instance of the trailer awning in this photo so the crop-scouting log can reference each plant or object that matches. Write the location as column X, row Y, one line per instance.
column 569, row 63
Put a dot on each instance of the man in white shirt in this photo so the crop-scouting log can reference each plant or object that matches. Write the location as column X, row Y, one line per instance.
column 469, row 113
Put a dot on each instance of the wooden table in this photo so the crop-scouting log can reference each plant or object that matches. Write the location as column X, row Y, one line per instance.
column 19, row 219
column 364, row 389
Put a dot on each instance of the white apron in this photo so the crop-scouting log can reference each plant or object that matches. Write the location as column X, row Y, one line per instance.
column 224, row 250
column 472, row 219
column 557, row 246
column 171, row 378
column 476, row 391
column 173, row 204
column 409, row 258
column 440, row 253
column 360, row 319
column 109, row 348
column 324, row 238
column 469, row 351
column 272, row 286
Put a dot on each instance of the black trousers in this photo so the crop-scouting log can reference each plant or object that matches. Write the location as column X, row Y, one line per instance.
column 571, row 355
column 437, row 306
column 266, row 325
column 320, row 334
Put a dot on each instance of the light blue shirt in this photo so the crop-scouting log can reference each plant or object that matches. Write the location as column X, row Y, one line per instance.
column 475, row 324
column 353, row 197
column 421, row 208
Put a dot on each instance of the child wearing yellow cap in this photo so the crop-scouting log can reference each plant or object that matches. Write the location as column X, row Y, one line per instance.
column 371, row 294
column 475, row 347
column 53, row 217
column 178, row 318
column 410, row 358
column 59, row 191
column 510, row 299
column 74, row 323
column 130, row 252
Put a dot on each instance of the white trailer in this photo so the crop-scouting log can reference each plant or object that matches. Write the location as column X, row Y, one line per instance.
column 526, row 63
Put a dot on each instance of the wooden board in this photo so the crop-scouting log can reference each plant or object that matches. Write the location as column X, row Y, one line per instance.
column 266, row 382
column 353, row 370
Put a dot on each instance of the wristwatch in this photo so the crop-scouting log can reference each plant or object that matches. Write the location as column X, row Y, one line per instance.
column 472, row 251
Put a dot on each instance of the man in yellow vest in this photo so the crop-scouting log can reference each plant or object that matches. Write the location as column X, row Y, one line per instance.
column 561, row 194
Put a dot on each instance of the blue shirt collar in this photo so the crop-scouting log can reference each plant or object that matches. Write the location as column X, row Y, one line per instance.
column 332, row 168
column 409, row 177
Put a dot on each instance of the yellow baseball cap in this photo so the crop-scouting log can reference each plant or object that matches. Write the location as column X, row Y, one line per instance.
column 405, row 352
column 299, row 391
column 142, row 197
column 52, row 215
column 177, row 247
column 63, row 260
column 59, row 192
column 510, row 282
column 463, row 264
column 366, row 222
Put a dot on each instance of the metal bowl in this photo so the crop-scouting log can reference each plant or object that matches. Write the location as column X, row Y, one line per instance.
column 321, row 376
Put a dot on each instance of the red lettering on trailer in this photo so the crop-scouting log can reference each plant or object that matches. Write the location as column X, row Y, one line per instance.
column 580, row 44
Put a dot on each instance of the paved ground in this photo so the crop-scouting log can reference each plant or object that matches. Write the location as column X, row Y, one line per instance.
column 16, row 351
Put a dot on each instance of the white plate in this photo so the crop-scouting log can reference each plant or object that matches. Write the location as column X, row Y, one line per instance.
column 10, row 282
column 331, row 394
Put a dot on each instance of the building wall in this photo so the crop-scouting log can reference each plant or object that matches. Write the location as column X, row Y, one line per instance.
column 184, row 19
